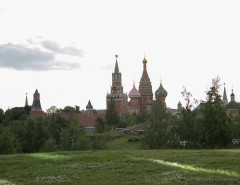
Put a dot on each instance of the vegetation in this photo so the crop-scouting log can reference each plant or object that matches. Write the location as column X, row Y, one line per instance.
column 206, row 127
column 111, row 117
column 123, row 167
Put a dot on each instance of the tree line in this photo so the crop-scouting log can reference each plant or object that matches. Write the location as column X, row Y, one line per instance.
column 205, row 127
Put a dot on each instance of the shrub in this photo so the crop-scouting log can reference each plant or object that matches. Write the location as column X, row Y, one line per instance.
column 49, row 146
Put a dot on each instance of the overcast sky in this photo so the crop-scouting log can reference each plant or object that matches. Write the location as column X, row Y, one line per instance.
column 66, row 48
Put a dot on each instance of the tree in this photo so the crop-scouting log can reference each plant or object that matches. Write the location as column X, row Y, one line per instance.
column 111, row 116
column 7, row 141
column 1, row 115
column 100, row 125
column 216, row 123
column 188, row 125
column 158, row 130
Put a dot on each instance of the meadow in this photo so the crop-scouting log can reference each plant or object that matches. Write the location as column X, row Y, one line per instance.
column 122, row 167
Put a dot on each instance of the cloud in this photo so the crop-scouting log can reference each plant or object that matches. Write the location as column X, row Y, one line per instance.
column 107, row 67
column 55, row 47
column 21, row 57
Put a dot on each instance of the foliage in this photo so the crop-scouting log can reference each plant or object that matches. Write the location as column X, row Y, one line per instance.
column 49, row 146
column 216, row 123
column 127, row 120
column 159, row 128
column 1, row 116
column 82, row 143
column 100, row 141
column 7, row 141
column 100, row 125
column 111, row 116
column 16, row 113
column 188, row 122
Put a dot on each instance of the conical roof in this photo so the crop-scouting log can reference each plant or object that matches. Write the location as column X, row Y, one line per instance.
column 134, row 93
column 36, row 92
column 161, row 92
column 224, row 93
column 116, row 69
column 26, row 101
column 89, row 105
column 145, row 77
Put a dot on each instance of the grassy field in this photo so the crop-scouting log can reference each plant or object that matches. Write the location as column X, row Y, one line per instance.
column 123, row 167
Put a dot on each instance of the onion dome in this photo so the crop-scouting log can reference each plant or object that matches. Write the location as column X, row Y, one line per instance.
column 161, row 92
column 134, row 93
column 144, row 60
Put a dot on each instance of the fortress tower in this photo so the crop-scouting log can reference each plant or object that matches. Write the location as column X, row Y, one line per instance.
column 36, row 109
column 117, row 94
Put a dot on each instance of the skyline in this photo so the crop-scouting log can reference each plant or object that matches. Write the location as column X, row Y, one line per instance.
column 66, row 49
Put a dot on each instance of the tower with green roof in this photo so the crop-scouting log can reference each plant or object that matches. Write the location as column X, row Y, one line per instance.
column 225, row 100
column 26, row 101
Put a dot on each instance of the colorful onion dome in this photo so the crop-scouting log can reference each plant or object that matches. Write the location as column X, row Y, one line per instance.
column 161, row 92
column 134, row 93
column 144, row 60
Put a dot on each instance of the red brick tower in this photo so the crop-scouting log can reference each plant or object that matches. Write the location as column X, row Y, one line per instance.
column 145, row 88
column 135, row 96
column 117, row 94
column 36, row 109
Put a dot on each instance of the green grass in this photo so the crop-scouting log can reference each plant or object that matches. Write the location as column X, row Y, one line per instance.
column 123, row 167
column 122, row 143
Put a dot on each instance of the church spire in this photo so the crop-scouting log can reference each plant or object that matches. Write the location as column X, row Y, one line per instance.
column 116, row 70
column 225, row 100
column 26, row 101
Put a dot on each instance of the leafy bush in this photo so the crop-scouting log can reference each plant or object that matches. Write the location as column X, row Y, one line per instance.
column 83, row 143
column 49, row 146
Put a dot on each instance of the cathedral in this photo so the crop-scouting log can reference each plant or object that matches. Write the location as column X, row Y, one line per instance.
column 140, row 100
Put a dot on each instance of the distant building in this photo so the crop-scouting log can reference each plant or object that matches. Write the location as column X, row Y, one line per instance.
column 86, row 118
column 232, row 107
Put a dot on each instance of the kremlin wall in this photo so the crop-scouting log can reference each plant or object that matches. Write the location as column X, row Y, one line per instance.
column 141, row 99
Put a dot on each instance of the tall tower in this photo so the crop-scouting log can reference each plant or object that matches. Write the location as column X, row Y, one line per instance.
column 36, row 109
column 225, row 100
column 145, row 87
column 117, row 94
column 26, row 101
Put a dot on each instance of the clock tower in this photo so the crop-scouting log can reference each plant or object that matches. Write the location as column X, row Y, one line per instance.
column 116, row 91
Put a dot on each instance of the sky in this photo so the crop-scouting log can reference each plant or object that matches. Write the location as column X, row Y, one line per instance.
column 66, row 48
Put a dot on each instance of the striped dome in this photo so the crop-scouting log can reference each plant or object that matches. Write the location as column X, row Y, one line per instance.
column 134, row 93
column 161, row 92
